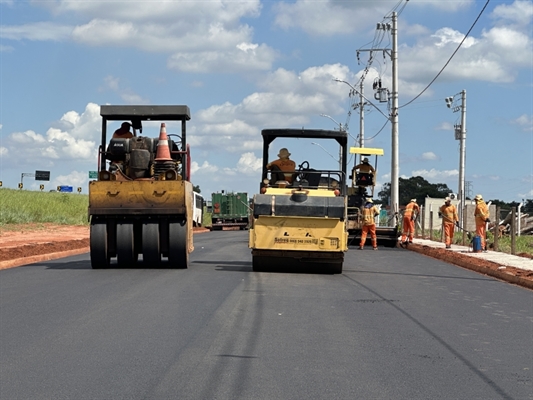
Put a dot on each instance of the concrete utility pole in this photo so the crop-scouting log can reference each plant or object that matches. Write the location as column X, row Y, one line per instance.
column 361, row 119
column 460, row 134
column 394, row 186
column 462, row 152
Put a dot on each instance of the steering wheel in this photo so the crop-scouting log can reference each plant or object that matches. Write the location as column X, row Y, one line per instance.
column 304, row 166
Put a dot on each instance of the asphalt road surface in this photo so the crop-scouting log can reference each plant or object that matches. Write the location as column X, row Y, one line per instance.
column 394, row 325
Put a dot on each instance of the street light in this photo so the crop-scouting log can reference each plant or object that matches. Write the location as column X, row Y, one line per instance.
column 460, row 134
column 341, row 129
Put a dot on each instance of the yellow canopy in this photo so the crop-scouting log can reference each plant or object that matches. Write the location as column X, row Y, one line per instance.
column 366, row 151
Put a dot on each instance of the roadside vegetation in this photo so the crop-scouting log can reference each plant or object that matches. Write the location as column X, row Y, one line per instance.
column 32, row 207
column 523, row 243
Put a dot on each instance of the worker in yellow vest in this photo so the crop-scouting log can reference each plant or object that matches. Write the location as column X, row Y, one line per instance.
column 448, row 212
column 481, row 215
column 409, row 217
column 369, row 213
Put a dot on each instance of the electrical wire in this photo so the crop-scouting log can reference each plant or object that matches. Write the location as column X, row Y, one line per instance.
column 450, row 59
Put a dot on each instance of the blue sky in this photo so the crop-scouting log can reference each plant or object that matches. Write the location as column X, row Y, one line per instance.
column 243, row 66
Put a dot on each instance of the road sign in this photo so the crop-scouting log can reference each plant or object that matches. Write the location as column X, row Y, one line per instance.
column 41, row 187
column 64, row 189
column 93, row 174
column 79, row 189
column 42, row 175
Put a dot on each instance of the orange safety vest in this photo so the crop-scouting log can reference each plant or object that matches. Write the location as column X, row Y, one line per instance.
column 365, row 168
column 449, row 213
column 481, row 213
column 369, row 214
column 287, row 166
column 410, row 209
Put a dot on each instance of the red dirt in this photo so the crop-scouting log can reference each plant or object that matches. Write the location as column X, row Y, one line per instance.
column 509, row 274
column 22, row 243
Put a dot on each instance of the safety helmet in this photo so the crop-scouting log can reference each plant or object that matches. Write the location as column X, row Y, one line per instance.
column 369, row 200
column 413, row 200
column 365, row 159
column 478, row 197
column 284, row 153
column 125, row 125
column 447, row 199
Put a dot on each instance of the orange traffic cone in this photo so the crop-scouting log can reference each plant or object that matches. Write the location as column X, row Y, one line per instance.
column 163, row 152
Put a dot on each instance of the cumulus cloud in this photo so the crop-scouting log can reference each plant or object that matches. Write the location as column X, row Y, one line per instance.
column 495, row 56
column 434, row 174
column 197, row 36
column 72, row 137
column 525, row 122
column 429, row 155
column 74, row 178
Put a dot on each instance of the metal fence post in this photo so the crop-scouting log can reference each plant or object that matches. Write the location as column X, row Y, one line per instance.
column 496, row 229
column 513, row 230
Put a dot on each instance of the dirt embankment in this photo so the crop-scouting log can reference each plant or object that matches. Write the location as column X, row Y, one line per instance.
column 29, row 243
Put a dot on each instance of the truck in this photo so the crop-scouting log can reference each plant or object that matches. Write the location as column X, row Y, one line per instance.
column 300, row 226
column 141, row 203
column 229, row 210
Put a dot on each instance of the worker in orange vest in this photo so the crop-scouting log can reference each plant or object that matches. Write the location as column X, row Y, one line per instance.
column 370, row 211
column 409, row 217
column 367, row 172
column 283, row 169
column 123, row 132
column 481, row 215
column 448, row 212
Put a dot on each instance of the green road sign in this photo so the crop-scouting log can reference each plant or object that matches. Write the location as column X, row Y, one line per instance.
column 93, row 174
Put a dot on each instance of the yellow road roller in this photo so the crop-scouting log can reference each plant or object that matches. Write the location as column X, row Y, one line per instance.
column 299, row 214
column 140, row 205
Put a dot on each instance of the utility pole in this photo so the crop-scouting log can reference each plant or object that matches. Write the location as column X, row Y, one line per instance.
column 460, row 134
column 394, row 187
column 462, row 153
column 361, row 120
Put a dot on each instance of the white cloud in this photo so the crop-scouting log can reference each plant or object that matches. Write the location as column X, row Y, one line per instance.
column 3, row 151
column 429, row 156
column 249, row 164
column 41, row 31
column 74, row 179
column 445, row 126
column 525, row 121
column 520, row 12
column 434, row 174
column 72, row 137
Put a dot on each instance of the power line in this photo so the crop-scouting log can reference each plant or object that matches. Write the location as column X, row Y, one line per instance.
column 450, row 59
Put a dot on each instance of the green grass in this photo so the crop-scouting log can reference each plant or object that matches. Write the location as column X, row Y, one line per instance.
column 523, row 244
column 24, row 207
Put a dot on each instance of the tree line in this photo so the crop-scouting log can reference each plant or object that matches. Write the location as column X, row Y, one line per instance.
column 418, row 188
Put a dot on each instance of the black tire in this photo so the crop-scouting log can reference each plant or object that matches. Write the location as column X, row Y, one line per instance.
column 126, row 255
column 151, row 244
column 178, row 247
column 260, row 264
column 98, row 244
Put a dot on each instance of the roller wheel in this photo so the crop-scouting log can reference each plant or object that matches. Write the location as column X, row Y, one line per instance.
column 335, row 268
column 260, row 264
column 151, row 244
column 125, row 245
column 98, row 244
column 178, row 252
